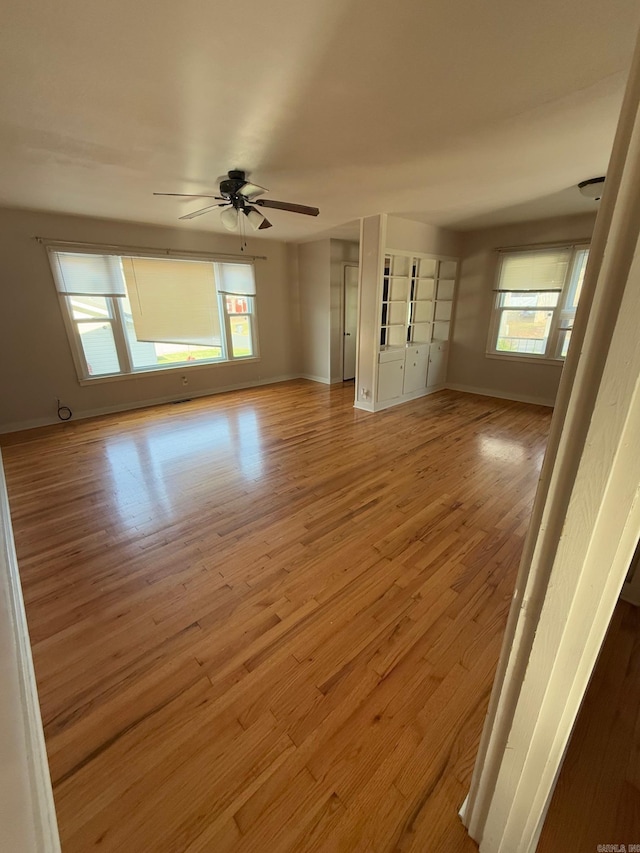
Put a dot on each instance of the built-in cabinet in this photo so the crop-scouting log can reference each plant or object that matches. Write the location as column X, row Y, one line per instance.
column 416, row 302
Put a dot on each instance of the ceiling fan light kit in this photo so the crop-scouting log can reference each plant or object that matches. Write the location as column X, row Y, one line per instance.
column 229, row 218
column 592, row 188
column 237, row 195
column 256, row 220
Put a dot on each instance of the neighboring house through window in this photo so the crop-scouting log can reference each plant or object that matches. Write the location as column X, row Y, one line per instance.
column 537, row 293
column 130, row 314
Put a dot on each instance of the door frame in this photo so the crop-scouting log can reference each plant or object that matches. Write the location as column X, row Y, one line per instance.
column 584, row 528
column 346, row 264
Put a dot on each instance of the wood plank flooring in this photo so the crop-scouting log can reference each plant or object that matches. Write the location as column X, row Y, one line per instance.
column 597, row 798
column 266, row 621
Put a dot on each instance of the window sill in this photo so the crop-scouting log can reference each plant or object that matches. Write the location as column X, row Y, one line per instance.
column 530, row 359
column 116, row 377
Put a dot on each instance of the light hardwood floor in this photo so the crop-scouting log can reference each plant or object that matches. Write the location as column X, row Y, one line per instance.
column 266, row 621
column 597, row 799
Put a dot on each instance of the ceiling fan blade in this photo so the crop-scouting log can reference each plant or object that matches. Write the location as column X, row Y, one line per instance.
column 285, row 205
column 250, row 190
column 201, row 211
column 191, row 195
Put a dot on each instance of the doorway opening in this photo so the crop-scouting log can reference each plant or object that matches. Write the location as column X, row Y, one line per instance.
column 350, row 322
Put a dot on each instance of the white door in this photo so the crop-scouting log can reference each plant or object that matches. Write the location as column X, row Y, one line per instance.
column 350, row 321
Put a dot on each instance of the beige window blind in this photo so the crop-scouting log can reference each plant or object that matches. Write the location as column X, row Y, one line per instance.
column 88, row 275
column 173, row 301
column 539, row 269
column 236, row 279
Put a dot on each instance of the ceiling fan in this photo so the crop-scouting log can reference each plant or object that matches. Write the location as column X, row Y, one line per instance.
column 239, row 197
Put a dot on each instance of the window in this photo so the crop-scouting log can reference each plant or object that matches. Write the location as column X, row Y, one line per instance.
column 127, row 314
column 536, row 299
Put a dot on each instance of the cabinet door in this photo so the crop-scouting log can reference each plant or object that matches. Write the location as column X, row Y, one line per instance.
column 415, row 369
column 437, row 370
column 390, row 376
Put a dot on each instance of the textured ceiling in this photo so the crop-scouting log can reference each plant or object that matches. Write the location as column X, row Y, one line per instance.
column 450, row 112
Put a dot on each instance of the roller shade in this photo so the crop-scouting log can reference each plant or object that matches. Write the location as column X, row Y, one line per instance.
column 540, row 269
column 88, row 275
column 173, row 301
column 236, row 279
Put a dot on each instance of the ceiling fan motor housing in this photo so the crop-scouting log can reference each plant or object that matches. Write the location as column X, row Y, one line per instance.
column 233, row 183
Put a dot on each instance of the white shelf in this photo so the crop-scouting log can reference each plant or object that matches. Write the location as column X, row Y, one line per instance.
column 418, row 293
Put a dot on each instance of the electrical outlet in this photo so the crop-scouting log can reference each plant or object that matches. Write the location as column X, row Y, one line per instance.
column 185, row 381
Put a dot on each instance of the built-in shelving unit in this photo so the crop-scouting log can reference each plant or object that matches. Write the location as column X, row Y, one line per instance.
column 395, row 289
column 416, row 307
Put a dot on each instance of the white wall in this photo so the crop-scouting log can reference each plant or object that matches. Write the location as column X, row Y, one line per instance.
column 35, row 359
column 469, row 366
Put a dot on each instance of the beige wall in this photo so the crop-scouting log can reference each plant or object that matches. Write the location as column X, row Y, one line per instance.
column 319, row 287
column 36, row 364
column 315, row 316
column 409, row 236
column 469, row 366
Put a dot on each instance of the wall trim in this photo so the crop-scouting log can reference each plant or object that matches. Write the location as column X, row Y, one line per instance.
column 501, row 395
column 312, row 378
column 27, row 810
column 407, row 398
column 19, row 426
column 397, row 401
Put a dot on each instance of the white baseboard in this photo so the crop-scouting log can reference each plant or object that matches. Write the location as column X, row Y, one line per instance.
column 312, row 378
column 397, row 401
column 18, row 426
column 463, row 809
column 501, row 395
column 25, row 783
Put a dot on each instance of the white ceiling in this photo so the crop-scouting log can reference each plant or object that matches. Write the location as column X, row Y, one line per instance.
column 451, row 112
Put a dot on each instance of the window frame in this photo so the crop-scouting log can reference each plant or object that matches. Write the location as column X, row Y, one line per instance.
column 559, row 313
column 117, row 321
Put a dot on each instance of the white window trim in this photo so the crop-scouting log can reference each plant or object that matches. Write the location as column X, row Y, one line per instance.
column 557, row 311
column 116, row 320
column 156, row 371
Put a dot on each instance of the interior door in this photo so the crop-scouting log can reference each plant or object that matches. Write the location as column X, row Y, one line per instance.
column 350, row 321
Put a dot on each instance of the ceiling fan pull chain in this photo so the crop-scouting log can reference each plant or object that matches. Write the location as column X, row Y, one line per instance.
column 243, row 239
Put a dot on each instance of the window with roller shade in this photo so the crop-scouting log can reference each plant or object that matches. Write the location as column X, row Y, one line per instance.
column 130, row 314
column 537, row 294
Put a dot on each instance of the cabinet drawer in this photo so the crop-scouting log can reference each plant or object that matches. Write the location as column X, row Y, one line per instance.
column 414, row 351
column 391, row 355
